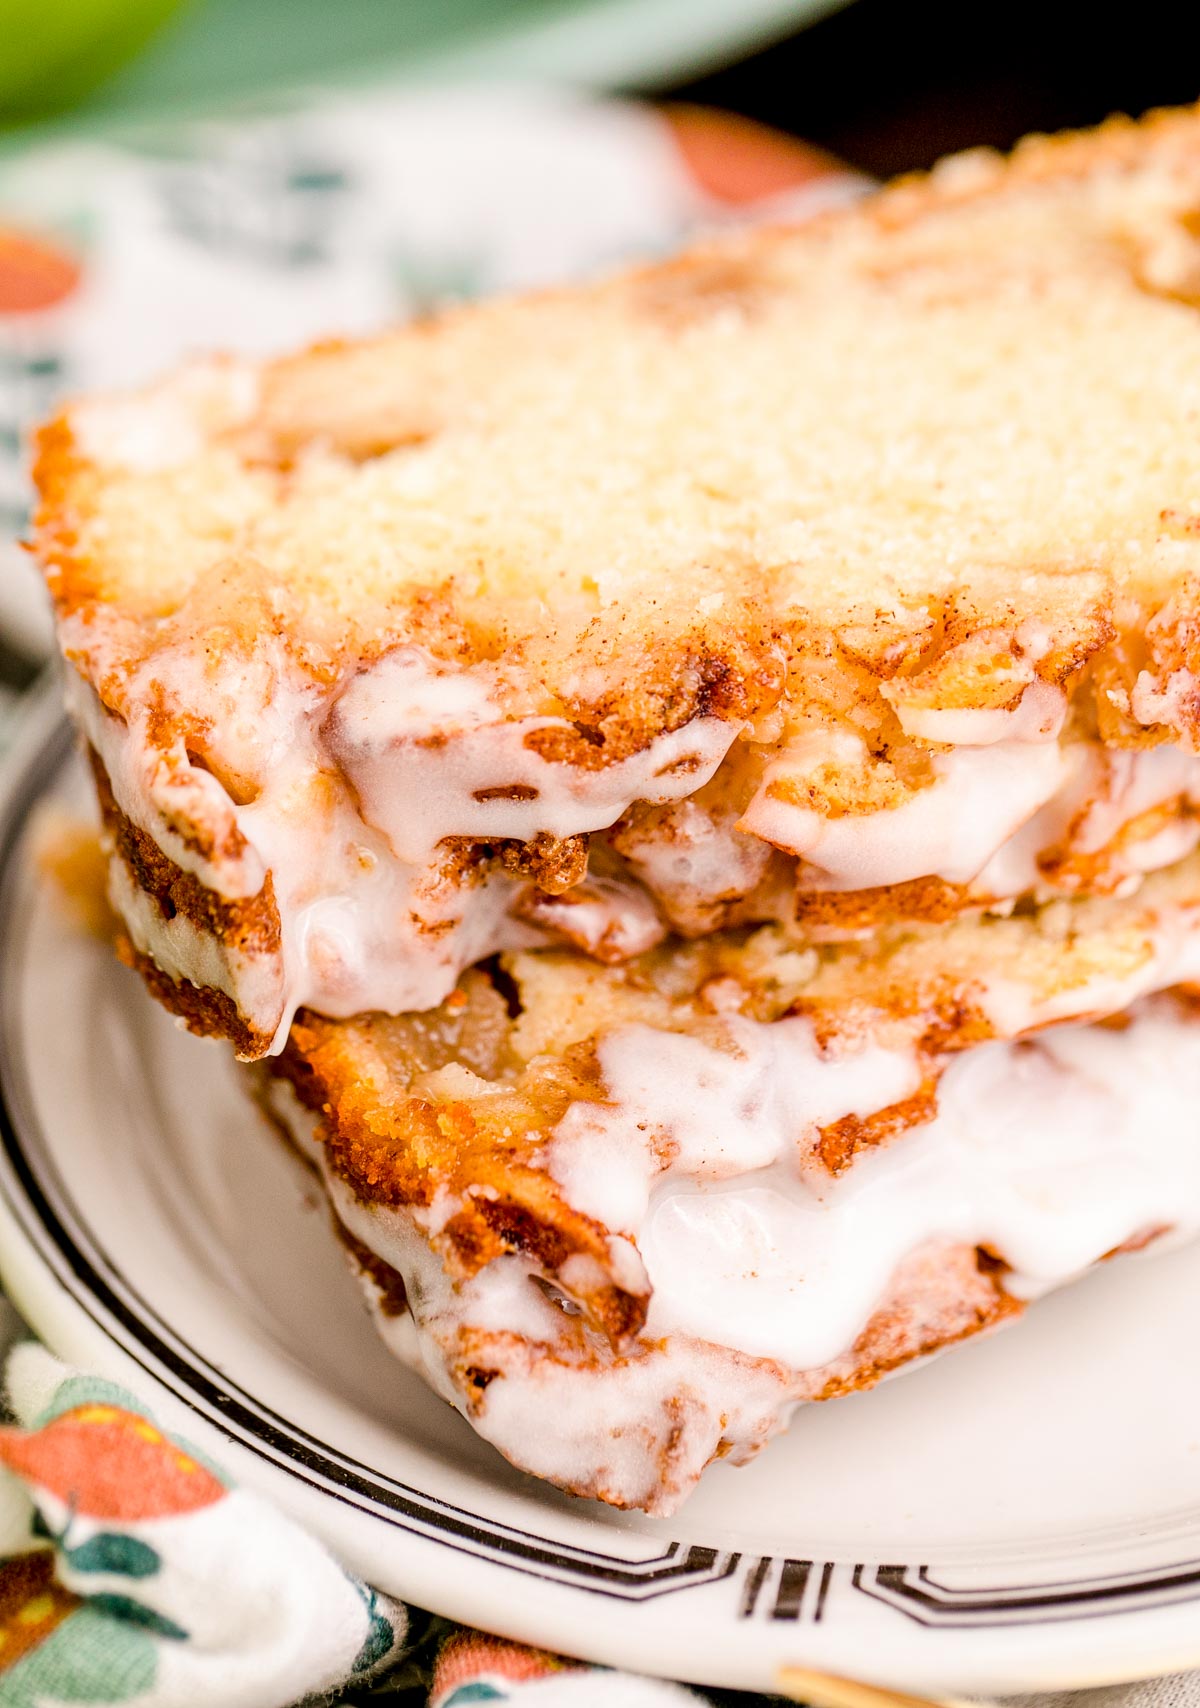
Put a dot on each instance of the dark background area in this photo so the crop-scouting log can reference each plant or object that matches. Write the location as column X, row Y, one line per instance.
column 892, row 84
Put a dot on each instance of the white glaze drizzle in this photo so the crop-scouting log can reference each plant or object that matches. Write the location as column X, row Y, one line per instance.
column 987, row 815
column 1052, row 1153
column 610, row 920
column 364, row 926
column 1171, row 701
column 979, row 797
column 391, row 728
column 747, row 1243
column 356, row 794
column 1038, row 715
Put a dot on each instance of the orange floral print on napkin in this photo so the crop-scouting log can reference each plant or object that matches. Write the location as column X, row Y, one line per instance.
column 34, row 272
column 109, row 1463
column 468, row 1657
column 737, row 161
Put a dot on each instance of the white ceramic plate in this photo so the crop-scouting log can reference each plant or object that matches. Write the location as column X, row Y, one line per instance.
column 1023, row 1514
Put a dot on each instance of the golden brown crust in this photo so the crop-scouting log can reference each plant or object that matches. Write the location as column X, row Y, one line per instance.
column 840, row 1142
column 207, row 1012
column 904, row 1332
column 404, row 1151
column 241, row 926
column 552, row 863
column 246, row 926
column 63, row 480
column 1119, row 143
column 930, row 900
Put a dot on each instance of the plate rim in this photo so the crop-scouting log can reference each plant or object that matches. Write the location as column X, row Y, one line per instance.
column 1138, row 1635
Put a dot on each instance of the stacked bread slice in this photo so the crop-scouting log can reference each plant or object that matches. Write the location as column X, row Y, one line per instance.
column 689, row 788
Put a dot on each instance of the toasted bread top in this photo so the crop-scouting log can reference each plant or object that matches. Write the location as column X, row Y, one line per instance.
column 893, row 461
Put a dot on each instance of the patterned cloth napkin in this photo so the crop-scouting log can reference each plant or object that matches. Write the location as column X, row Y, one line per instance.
column 137, row 1573
column 131, row 1569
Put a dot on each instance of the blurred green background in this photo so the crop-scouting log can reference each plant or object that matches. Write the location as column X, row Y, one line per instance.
column 116, row 59
column 52, row 55
column 887, row 84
